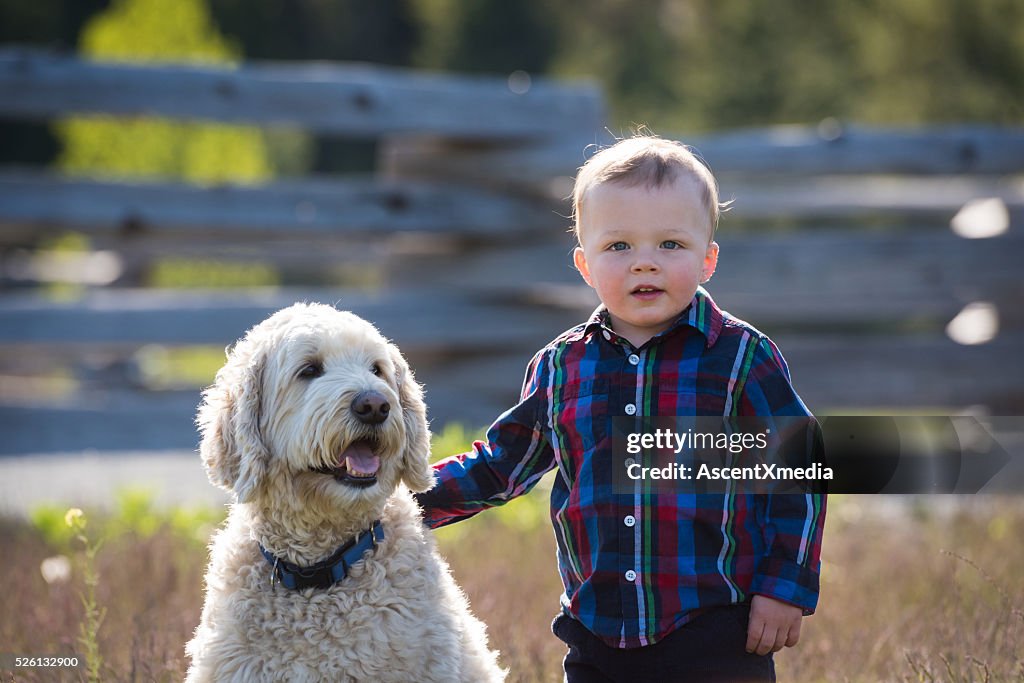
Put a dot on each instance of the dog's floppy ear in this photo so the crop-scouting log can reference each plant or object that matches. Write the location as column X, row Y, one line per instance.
column 232, row 448
column 416, row 470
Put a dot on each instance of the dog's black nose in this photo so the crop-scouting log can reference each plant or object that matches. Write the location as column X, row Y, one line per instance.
column 371, row 407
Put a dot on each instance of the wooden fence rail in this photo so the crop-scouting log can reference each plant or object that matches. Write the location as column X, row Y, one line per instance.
column 337, row 206
column 766, row 153
column 322, row 97
column 355, row 207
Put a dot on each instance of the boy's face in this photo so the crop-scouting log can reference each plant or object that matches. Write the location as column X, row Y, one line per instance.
column 645, row 251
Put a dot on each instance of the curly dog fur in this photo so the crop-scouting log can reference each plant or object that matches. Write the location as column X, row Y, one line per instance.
column 281, row 429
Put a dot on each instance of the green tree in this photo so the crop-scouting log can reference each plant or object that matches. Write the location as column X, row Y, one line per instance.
column 494, row 36
column 685, row 65
column 382, row 31
column 167, row 31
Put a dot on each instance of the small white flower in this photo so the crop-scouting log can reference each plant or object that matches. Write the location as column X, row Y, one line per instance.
column 56, row 569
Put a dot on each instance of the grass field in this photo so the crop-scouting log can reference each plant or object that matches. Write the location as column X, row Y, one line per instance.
column 924, row 590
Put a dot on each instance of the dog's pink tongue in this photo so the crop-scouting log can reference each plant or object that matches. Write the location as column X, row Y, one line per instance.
column 360, row 459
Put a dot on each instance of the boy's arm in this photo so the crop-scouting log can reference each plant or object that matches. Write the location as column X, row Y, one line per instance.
column 512, row 459
column 789, row 570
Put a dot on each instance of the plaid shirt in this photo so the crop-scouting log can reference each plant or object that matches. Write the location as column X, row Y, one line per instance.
column 637, row 567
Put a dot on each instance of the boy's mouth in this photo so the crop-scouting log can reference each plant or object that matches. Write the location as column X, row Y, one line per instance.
column 646, row 292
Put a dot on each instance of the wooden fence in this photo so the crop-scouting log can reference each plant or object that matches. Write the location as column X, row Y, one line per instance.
column 839, row 245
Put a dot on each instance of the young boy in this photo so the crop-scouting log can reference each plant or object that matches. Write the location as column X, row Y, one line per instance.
column 667, row 586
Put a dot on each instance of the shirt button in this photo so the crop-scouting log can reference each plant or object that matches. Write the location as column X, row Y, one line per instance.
column 634, row 359
column 630, row 409
column 630, row 520
column 630, row 462
column 630, row 575
column 607, row 334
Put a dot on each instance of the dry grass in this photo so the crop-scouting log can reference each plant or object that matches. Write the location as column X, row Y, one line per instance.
column 913, row 595
column 150, row 587
column 930, row 592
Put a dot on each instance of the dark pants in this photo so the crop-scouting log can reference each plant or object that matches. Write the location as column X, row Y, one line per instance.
column 709, row 649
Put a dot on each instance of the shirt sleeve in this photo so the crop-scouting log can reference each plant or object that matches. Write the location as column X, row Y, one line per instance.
column 509, row 462
column 789, row 571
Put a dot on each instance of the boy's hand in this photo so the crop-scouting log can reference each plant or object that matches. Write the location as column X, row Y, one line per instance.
column 773, row 625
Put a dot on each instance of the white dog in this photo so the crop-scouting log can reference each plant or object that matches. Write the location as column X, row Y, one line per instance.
column 323, row 570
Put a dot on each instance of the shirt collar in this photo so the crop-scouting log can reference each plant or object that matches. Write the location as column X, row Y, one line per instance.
column 702, row 314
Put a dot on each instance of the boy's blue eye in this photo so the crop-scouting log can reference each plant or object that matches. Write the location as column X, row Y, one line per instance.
column 670, row 244
column 618, row 246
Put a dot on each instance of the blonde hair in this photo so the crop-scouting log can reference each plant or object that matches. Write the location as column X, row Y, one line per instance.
column 648, row 161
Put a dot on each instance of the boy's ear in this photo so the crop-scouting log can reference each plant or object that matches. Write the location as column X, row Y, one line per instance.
column 580, row 260
column 710, row 262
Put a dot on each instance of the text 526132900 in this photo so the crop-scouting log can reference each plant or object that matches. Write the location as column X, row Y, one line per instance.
column 12, row 662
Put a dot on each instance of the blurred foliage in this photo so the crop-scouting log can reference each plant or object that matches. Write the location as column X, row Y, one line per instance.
column 488, row 35
column 161, row 31
column 56, row 23
column 156, row 31
column 681, row 65
column 178, row 367
column 66, row 242
column 383, row 31
column 710, row 64
column 524, row 514
column 49, row 521
column 134, row 513
column 206, row 273
column 453, row 438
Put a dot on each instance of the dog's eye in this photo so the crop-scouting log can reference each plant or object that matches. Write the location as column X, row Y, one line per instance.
column 375, row 369
column 311, row 370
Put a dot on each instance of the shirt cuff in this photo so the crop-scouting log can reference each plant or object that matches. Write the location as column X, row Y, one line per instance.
column 787, row 581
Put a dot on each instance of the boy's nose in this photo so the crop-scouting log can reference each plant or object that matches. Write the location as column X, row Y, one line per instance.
column 644, row 264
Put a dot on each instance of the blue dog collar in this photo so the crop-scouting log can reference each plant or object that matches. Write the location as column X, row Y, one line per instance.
column 328, row 572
